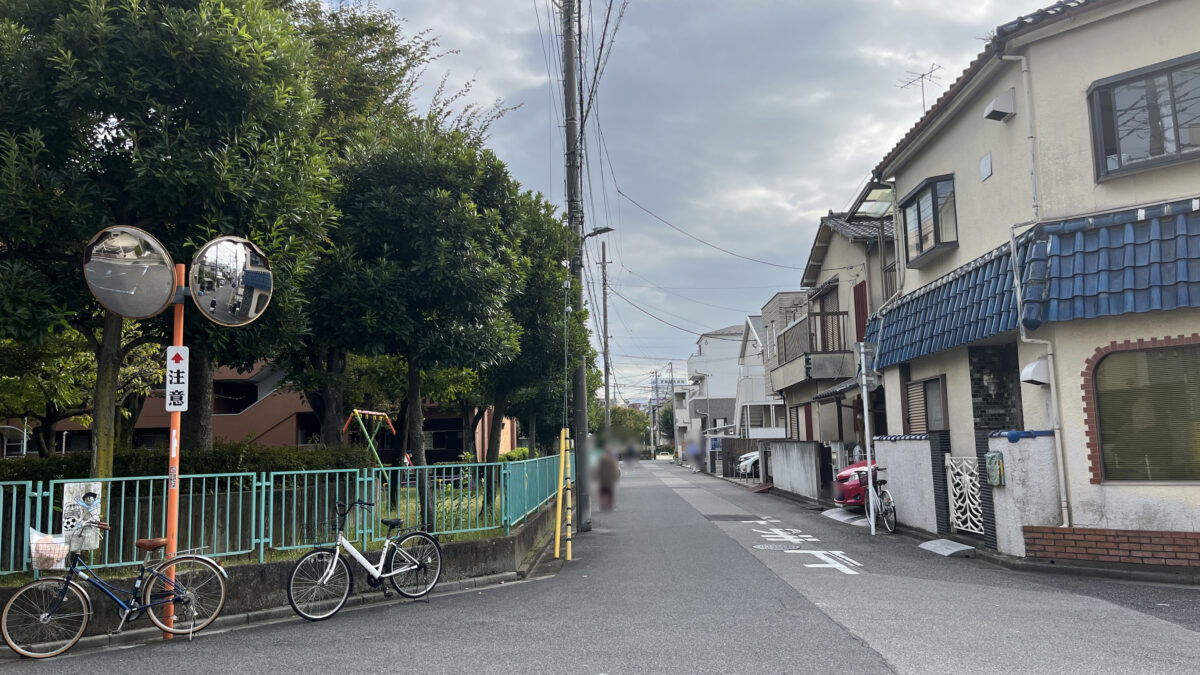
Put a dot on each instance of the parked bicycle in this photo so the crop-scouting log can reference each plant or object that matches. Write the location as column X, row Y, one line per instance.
column 322, row 579
column 882, row 505
column 182, row 595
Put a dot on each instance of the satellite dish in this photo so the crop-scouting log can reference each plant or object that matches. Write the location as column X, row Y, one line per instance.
column 129, row 272
column 230, row 281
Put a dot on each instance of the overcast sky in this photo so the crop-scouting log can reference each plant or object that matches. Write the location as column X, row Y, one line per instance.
column 739, row 121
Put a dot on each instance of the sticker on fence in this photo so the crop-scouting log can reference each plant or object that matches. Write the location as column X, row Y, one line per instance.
column 81, row 505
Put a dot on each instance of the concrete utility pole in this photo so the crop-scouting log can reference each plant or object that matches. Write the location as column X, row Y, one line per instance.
column 674, row 422
column 654, row 414
column 604, row 288
column 575, row 221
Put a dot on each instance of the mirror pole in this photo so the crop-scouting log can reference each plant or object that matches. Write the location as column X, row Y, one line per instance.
column 173, row 456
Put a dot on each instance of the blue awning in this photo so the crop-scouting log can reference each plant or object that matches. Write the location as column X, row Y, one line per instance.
column 256, row 279
column 1136, row 260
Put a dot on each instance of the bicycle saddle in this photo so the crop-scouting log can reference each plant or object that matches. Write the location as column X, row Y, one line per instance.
column 881, row 482
column 393, row 522
column 148, row 545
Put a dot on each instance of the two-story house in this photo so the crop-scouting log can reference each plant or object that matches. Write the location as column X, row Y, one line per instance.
column 757, row 414
column 1048, row 211
column 812, row 364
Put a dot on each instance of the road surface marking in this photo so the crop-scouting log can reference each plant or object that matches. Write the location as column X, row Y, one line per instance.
column 832, row 560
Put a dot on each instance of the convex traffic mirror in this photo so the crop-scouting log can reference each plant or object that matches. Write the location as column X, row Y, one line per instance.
column 129, row 272
column 230, row 281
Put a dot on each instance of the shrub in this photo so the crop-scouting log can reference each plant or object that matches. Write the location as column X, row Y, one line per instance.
column 226, row 457
column 515, row 455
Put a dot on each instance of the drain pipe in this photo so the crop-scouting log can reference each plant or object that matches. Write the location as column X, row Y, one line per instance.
column 1032, row 138
column 1064, row 488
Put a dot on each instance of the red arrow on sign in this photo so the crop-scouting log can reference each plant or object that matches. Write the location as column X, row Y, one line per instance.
column 177, row 358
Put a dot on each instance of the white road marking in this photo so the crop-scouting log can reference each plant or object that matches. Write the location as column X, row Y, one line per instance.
column 790, row 536
column 832, row 560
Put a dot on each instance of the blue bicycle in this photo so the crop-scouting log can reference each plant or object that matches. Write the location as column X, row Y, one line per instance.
column 46, row 617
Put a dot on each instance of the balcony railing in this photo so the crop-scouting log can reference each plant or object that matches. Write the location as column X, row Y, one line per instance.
column 816, row 333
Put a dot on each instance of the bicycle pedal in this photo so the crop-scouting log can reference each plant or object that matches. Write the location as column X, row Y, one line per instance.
column 387, row 593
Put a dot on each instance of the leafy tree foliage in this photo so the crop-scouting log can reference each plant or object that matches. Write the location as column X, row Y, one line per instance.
column 186, row 118
column 629, row 425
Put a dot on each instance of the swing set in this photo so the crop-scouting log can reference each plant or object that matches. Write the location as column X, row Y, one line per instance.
column 377, row 419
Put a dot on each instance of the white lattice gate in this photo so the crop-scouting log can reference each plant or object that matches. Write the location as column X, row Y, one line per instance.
column 966, row 511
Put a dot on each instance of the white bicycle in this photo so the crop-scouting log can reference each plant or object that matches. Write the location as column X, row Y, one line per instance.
column 322, row 579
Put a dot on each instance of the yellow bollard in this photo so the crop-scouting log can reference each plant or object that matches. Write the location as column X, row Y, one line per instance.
column 558, row 503
column 570, row 491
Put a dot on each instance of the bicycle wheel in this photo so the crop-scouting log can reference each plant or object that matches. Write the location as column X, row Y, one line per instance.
column 415, row 565
column 45, row 618
column 319, row 584
column 887, row 509
column 197, row 594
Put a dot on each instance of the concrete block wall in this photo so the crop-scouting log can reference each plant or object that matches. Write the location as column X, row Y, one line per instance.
column 796, row 467
column 909, row 479
column 1030, row 493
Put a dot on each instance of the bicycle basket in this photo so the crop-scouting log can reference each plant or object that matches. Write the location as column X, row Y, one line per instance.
column 47, row 551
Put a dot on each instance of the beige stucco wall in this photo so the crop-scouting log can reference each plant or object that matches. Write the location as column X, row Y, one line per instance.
column 1116, row 505
column 984, row 208
column 954, row 365
column 1063, row 67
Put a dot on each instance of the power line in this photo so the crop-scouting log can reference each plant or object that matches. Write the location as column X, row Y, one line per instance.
column 685, row 233
column 678, row 295
column 664, row 321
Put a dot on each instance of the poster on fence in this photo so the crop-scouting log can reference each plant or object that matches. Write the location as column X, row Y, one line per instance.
column 80, row 505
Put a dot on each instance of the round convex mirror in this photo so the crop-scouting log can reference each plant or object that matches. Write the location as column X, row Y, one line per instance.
column 129, row 272
column 230, row 281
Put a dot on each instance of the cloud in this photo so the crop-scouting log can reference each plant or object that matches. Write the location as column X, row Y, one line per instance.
column 741, row 122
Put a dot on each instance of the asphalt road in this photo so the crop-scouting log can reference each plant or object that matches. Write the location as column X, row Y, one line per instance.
column 671, row 582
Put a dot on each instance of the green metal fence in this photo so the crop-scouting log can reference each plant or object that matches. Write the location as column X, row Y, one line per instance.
column 246, row 513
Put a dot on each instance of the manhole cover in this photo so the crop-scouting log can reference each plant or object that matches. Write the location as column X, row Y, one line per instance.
column 778, row 547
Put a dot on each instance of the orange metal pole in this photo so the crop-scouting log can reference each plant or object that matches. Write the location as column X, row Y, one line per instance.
column 173, row 457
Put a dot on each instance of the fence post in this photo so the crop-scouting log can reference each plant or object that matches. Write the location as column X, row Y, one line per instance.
column 505, row 497
column 262, row 532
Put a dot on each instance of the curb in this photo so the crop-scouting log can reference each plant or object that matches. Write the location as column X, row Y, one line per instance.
column 146, row 635
column 1191, row 578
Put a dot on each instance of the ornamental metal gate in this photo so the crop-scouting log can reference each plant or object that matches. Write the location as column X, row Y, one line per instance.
column 966, row 510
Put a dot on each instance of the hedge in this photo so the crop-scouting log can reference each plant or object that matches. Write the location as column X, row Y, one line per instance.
column 240, row 457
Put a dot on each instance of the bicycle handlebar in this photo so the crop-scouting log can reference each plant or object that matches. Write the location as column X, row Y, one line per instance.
column 343, row 508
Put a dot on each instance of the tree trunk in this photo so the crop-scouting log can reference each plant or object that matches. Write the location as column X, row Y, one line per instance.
column 499, row 408
column 332, row 394
column 416, row 440
column 45, row 439
column 402, row 420
column 127, row 422
column 104, row 408
column 196, row 430
column 464, row 413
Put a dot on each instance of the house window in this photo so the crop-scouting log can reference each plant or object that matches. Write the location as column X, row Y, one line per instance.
column 1148, row 413
column 926, row 405
column 930, row 222
column 1147, row 117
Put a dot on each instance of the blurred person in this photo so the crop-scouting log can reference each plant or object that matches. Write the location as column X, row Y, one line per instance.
column 608, row 472
column 694, row 454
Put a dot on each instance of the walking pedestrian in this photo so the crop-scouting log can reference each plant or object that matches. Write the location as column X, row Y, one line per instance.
column 608, row 472
column 695, row 456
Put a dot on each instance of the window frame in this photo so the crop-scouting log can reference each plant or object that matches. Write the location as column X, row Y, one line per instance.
column 1107, row 84
column 943, row 401
column 913, row 197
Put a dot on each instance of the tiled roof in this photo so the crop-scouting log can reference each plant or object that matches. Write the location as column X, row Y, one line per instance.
column 858, row 229
column 971, row 303
column 1123, row 262
column 1137, row 260
column 1004, row 32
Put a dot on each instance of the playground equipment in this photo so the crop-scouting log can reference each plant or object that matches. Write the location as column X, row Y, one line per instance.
column 378, row 418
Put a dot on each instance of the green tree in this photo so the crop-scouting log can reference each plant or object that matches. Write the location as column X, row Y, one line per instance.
column 629, row 425
column 187, row 119
column 421, row 210
column 666, row 423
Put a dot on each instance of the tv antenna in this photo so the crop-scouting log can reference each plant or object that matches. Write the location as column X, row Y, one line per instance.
column 920, row 78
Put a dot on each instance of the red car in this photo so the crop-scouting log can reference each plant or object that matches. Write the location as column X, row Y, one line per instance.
column 847, row 490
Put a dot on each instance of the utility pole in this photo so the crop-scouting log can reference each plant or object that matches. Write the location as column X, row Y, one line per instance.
column 575, row 222
column 674, row 422
column 604, row 288
column 654, row 414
